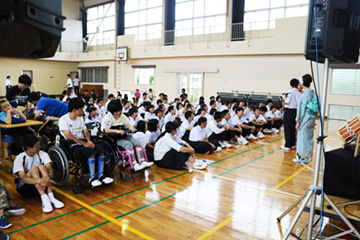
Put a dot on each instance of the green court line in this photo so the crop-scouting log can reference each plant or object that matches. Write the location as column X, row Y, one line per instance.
column 164, row 198
column 219, row 167
column 141, row 188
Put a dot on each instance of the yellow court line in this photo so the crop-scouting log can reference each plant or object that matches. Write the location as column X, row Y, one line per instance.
column 222, row 224
column 111, row 219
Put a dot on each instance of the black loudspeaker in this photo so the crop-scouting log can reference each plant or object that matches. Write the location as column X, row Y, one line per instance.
column 30, row 28
column 337, row 29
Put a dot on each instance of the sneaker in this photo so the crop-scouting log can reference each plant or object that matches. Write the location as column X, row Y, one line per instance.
column 285, row 148
column 4, row 223
column 274, row 130
column 138, row 167
column 251, row 136
column 57, row 204
column 107, row 180
column 218, row 149
column 260, row 135
column 281, row 129
column 227, row 145
column 47, row 207
column 266, row 130
column 199, row 164
column 293, row 147
column 242, row 140
column 95, row 183
column 15, row 211
column 4, row 236
column 222, row 145
column 148, row 164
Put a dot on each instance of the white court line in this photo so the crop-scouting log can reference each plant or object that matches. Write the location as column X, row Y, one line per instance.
column 257, row 188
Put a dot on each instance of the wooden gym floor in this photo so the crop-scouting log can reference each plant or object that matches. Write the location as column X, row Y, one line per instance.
column 240, row 196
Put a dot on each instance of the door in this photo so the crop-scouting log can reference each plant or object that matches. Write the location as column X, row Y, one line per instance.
column 193, row 84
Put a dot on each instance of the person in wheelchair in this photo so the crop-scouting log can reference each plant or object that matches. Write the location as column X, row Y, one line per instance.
column 72, row 127
column 34, row 172
column 116, row 122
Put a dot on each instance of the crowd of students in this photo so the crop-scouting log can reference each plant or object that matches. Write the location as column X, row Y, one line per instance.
column 152, row 130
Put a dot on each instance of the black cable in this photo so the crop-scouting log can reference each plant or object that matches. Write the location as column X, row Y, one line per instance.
column 349, row 212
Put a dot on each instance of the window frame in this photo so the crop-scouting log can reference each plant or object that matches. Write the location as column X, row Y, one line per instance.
column 93, row 69
column 139, row 67
column 351, row 67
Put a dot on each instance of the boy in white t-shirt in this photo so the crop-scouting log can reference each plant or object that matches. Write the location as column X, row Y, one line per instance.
column 258, row 121
column 72, row 127
column 34, row 172
column 76, row 85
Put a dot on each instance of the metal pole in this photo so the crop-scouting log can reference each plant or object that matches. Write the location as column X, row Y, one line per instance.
column 319, row 148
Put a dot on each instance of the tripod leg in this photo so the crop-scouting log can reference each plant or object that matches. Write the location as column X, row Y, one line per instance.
column 311, row 217
column 298, row 214
column 292, row 206
column 341, row 215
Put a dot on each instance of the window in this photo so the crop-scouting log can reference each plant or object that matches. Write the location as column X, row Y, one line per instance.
column 101, row 24
column 196, row 17
column 145, row 75
column 343, row 112
column 94, row 75
column 261, row 14
column 143, row 18
column 192, row 82
column 345, row 81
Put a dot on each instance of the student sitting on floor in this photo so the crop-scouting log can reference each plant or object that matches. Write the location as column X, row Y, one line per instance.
column 200, row 113
column 198, row 138
column 248, row 129
column 116, row 122
column 72, row 127
column 258, row 121
column 186, row 126
column 8, row 207
column 270, row 121
column 276, row 122
column 34, row 172
column 150, row 113
column 134, row 117
column 151, row 135
column 174, row 153
column 140, row 134
column 216, row 134
column 170, row 116
column 160, row 117
column 234, row 130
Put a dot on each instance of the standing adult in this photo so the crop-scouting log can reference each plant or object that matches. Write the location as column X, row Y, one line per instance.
column 291, row 104
column 8, row 84
column 305, row 123
column 69, row 83
column 76, row 85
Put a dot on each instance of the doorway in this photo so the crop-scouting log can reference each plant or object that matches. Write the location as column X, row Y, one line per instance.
column 192, row 83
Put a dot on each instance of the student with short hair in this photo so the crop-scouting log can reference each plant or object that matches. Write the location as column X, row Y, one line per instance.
column 216, row 134
column 116, row 122
column 174, row 153
column 143, row 99
column 133, row 117
column 218, row 103
column 170, row 116
column 99, row 104
column 20, row 90
column 93, row 119
column 248, row 129
column 270, row 121
column 198, row 138
column 111, row 97
column 234, row 130
column 200, row 113
column 149, row 114
column 160, row 117
column 248, row 112
column 8, row 84
column 51, row 107
column 140, row 134
column 69, row 83
column 34, row 172
column 258, row 121
column 269, row 104
column 276, row 121
column 186, row 126
column 151, row 135
column 72, row 127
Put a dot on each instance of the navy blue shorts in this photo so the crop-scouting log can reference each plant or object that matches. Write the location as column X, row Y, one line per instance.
column 88, row 152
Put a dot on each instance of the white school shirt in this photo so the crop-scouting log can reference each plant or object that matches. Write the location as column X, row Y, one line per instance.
column 185, row 124
column 76, row 82
column 230, row 123
column 218, row 105
column 169, row 118
column 196, row 119
column 7, row 82
column 149, row 115
column 132, row 122
column 233, row 114
column 109, row 121
column 34, row 161
column 269, row 114
column 224, row 107
column 69, row 81
column 279, row 114
column 209, row 118
column 165, row 144
column 212, row 127
column 248, row 113
column 197, row 134
column 161, row 121
column 141, row 137
column 100, row 110
column 97, row 119
column 292, row 99
column 107, row 104
column 166, row 105
column 141, row 110
column 75, row 127
column 152, row 136
column 260, row 118
column 142, row 100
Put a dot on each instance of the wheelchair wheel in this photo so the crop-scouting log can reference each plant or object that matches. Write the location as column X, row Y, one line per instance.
column 60, row 165
column 112, row 157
